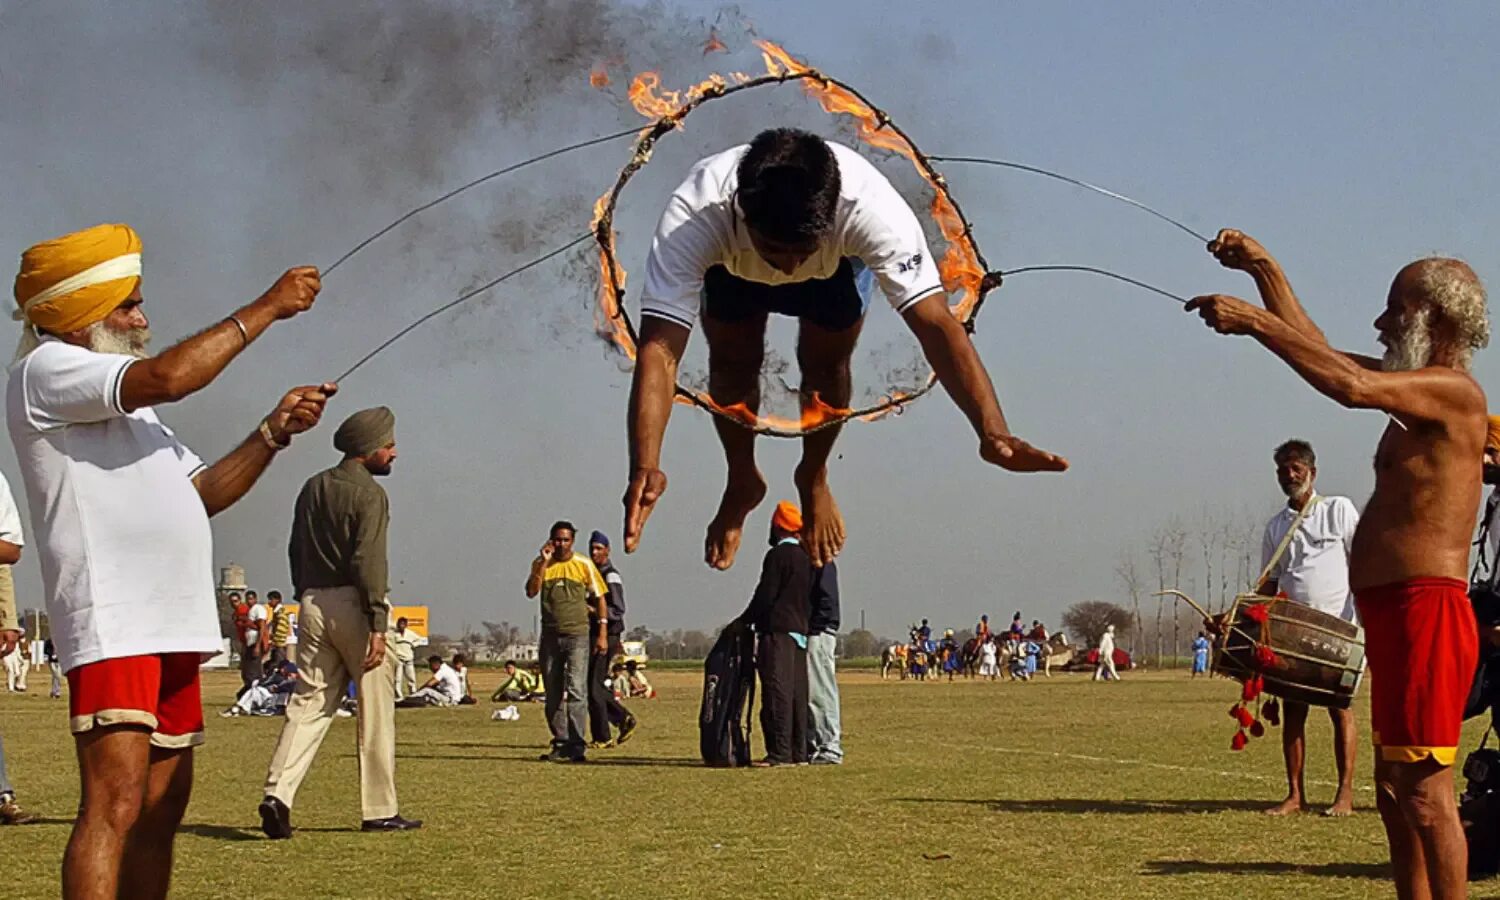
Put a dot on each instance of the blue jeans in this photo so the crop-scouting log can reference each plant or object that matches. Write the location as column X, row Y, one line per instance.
column 565, row 672
column 823, row 699
column 5, row 787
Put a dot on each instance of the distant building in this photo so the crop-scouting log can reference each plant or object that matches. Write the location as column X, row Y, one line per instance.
column 519, row 652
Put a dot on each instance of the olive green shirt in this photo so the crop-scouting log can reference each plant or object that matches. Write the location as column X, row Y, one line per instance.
column 339, row 537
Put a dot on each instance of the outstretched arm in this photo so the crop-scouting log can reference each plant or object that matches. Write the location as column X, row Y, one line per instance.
column 651, row 391
column 1236, row 250
column 1434, row 394
column 226, row 481
column 958, row 367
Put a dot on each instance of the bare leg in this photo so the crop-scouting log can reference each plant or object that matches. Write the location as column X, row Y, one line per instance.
column 147, row 865
column 1343, row 749
column 113, row 766
column 1408, row 862
column 1424, row 794
column 735, row 352
column 824, row 357
column 1294, row 751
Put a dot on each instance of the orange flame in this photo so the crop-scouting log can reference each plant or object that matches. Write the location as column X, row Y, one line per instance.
column 609, row 321
column 713, row 44
column 598, row 77
column 815, row 412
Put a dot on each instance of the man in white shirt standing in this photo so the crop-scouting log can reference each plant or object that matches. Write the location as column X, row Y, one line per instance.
column 1314, row 571
column 404, row 645
column 120, row 509
column 798, row 226
column 11, row 541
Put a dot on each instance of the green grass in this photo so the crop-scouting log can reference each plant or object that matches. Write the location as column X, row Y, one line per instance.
column 1057, row 788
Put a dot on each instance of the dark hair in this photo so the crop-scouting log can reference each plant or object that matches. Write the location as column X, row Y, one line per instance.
column 234, row 594
column 274, row 594
column 251, row 594
column 403, row 619
column 563, row 523
column 1297, row 449
column 434, row 658
column 510, row 662
column 460, row 658
column 788, row 185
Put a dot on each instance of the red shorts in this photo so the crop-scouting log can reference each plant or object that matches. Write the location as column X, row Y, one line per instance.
column 159, row 691
column 1423, row 646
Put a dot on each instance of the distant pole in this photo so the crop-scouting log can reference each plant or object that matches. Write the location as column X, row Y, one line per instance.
column 861, row 619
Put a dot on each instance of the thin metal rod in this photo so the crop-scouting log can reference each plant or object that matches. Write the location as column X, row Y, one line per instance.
column 1105, row 272
column 1037, row 170
column 1184, row 597
column 473, row 184
column 467, row 295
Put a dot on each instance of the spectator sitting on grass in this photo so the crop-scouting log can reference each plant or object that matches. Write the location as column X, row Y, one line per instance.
column 460, row 666
column 443, row 689
column 267, row 696
column 639, row 685
column 519, row 685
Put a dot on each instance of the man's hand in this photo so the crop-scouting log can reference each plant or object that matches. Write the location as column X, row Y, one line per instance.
column 1225, row 314
column 1237, row 250
column 1013, row 454
column 293, row 293
column 646, row 487
column 8, row 640
column 601, row 643
column 547, row 552
column 376, row 654
column 300, row 410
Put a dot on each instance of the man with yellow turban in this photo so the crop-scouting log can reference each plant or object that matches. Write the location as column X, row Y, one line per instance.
column 780, row 610
column 120, row 509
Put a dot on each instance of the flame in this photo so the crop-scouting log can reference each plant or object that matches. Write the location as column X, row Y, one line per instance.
column 713, row 44
column 959, row 266
column 815, row 412
column 598, row 77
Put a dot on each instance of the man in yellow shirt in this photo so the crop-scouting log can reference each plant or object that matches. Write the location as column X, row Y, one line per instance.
column 568, row 585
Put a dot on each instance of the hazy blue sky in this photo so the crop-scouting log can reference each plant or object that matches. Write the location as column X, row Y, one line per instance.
column 242, row 139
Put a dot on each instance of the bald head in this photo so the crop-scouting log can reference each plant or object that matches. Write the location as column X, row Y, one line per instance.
column 1437, row 310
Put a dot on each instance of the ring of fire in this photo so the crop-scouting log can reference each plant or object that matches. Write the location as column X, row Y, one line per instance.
column 964, row 272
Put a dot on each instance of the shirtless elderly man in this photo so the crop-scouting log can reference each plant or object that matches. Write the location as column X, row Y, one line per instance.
column 1410, row 554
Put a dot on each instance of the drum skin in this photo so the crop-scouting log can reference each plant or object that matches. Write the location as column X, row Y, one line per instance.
column 1320, row 658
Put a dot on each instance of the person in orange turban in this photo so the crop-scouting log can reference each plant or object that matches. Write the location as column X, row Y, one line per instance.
column 74, row 281
column 126, row 557
column 787, row 517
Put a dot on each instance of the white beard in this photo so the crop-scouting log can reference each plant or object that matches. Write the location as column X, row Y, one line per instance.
column 134, row 342
column 1412, row 348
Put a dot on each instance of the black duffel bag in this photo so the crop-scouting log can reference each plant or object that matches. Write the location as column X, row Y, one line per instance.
column 728, row 698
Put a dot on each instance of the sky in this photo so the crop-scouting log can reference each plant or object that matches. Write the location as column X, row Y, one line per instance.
column 243, row 139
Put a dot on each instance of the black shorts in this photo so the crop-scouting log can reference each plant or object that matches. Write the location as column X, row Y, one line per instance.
column 836, row 303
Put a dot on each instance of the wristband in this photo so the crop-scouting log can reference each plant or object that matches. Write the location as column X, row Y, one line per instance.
column 270, row 439
column 244, row 332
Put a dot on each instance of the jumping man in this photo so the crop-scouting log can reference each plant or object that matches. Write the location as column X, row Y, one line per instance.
column 794, row 225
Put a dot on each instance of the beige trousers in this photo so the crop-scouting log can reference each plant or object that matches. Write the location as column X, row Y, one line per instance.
column 333, row 637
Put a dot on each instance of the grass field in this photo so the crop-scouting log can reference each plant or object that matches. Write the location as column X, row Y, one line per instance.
column 1054, row 789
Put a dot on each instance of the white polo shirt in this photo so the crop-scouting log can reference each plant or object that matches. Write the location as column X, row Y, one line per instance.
column 258, row 616
column 1315, row 568
column 702, row 227
column 449, row 682
column 123, row 538
column 10, row 516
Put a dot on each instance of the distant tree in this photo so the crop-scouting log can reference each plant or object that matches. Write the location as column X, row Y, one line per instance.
column 860, row 642
column 501, row 635
column 1130, row 577
column 1087, row 620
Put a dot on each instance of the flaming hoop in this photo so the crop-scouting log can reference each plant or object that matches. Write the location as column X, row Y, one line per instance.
column 963, row 269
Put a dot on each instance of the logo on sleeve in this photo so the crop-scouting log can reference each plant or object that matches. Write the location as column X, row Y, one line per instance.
column 912, row 264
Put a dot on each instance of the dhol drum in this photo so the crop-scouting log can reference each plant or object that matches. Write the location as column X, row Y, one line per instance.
column 1303, row 654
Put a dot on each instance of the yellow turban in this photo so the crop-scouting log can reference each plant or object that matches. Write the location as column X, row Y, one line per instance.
column 1492, row 439
column 73, row 281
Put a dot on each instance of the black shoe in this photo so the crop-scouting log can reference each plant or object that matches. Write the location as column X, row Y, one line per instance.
column 627, row 728
column 275, row 819
column 393, row 823
column 562, row 756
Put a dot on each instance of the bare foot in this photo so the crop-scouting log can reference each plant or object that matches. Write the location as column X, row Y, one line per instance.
column 1287, row 807
column 822, row 524
column 741, row 495
column 1012, row 453
column 1343, row 805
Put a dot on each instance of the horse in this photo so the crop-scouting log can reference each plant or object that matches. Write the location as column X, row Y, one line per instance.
column 970, row 657
column 893, row 657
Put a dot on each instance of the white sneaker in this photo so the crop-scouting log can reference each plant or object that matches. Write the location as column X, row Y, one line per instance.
column 343, row 713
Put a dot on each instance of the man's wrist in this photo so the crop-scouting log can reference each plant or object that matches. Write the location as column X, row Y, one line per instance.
column 269, row 435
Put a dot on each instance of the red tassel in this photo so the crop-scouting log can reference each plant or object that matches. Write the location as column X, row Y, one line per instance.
column 1234, row 711
column 1239, row 741
column 1266, row 658
column 1243, row 716
column 1258, row 612
column 1273, row 711
column 1257, row 730
column 1251, row 689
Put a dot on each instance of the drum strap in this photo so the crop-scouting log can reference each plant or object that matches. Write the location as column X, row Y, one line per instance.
column 1286, row 540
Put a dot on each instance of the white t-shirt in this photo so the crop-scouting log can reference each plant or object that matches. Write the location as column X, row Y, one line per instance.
column 258, row 613
column 124, row 541
column 449, row 682
column 1315, row 568
column 403, row 643
column 702, row 227
column 987, row 654
column 10, row 516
